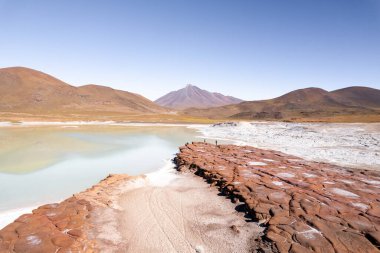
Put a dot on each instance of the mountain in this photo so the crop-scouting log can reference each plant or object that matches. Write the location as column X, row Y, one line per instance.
column 192, row 96
column 300, row 104
column 31, row 91
column 358, row 96
column 26, row 92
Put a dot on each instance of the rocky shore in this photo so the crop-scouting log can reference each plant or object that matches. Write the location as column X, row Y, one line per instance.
column 61, row 227
column 305, row 206
column 301, row 206
column 164, row 211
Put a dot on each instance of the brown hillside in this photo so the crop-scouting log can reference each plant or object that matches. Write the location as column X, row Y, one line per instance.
column 27, row 90
column 358, row 96
column 300, row 104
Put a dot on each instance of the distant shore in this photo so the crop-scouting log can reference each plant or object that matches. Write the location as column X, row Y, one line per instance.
column 176, row 118
column 89, row 123
column 6, row 123
column 349, row 144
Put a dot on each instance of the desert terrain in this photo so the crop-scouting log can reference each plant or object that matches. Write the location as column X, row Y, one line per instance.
column 31, row 95
column 216, row 201
column 190, row 126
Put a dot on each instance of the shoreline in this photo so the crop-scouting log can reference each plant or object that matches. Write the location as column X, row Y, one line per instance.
column 106, row 213
column 120, row 206
column 223, row 198
column 202, row 134
column 77, row 158
column 349, row 144
column 160, row 176
column 142, row 123
column 93, row 123
column 8, row 216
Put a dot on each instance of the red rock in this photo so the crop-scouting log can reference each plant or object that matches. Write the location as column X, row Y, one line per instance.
column 356, row 242
column 360, row 223
column 61, row 224
column 7, row 236
column 35, row 243
column 296, row 248
column 34, row 225
column 75, row 232
column 280, row 220
column 314, row 240
column 281, row 242
column 375, row 210
column 309, row 206
column 24, row 218
column 44, row 229
column 62, row 241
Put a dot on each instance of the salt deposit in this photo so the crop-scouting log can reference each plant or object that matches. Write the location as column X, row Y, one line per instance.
column 354, row 145
column 344, row 193
column 308, row 175
column 285, row 175
column 257, row 163
column 163, row 176
column 278, row 183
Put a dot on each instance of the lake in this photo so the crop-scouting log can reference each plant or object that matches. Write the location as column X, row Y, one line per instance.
column 47, row 162
column 43, row 164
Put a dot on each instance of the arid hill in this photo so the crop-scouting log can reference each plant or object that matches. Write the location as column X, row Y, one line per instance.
column 358, row 96
column 303, row 104
column 192, row 96
column 29, row 91
column 27, row 94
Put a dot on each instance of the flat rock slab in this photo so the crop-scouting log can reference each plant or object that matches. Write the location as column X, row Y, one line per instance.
column 50, row 228
column 306, row 206
column 60, row 227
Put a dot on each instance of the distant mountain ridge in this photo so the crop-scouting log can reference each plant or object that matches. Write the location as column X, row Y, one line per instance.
column 29, row 93
column 192, row 96
column 27, row 90
column 302, row 103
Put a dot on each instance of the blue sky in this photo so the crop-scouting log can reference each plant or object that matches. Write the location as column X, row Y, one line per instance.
column 248, row 49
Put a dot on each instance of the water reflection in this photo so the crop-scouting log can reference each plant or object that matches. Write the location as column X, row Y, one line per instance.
column 61, row 161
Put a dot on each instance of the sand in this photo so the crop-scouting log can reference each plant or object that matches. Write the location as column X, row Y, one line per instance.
column 170, row 212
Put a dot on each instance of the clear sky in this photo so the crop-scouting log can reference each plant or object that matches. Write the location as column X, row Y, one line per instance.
column 249, row 49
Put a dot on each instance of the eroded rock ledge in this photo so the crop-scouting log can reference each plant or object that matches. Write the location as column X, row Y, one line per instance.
column 306, row 206
column 60, row 227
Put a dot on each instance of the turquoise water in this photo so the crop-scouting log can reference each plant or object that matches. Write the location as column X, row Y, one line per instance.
column 46, row 164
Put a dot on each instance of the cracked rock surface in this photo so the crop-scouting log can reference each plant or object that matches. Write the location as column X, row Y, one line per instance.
column 50, row 228
column 60, row 227
column 306, row 206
